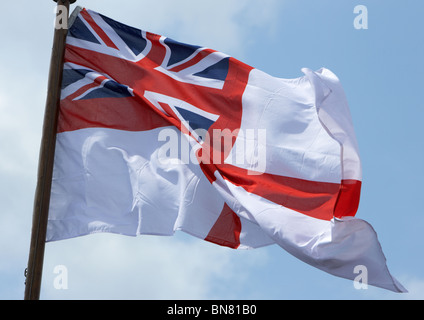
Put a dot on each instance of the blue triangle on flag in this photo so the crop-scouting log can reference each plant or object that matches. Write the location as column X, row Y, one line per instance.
column 131, row 36
column 195, row 120
column 218, row 71
column 71, row 76
column 179, row 51
column 80, row 31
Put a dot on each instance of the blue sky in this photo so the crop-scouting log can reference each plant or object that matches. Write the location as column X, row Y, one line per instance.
column 382, row 71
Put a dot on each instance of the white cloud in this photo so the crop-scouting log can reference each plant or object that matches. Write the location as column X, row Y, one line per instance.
column 221, row 25
column 116, row 267
column 19, row 132
column 415, row 287
column 413, row 283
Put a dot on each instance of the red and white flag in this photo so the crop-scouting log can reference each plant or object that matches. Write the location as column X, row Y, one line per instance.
column 155, row 135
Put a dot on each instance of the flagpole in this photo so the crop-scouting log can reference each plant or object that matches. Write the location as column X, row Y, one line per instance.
column 34, row 270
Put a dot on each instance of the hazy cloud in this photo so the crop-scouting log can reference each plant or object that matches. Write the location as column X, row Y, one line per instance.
column 116, row 267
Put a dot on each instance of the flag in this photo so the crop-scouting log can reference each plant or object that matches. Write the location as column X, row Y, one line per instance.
column 155, row 135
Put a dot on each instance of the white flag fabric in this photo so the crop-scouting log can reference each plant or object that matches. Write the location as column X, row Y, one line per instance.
column 155, row 135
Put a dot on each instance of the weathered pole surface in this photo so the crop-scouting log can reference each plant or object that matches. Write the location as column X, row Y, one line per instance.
column 46, row 158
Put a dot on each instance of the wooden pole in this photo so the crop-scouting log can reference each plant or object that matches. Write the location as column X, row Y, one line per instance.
column 45, row 166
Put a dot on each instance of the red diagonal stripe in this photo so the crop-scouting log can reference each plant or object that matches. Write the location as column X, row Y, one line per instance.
column 98, row 30
column 197, row 58
column 313, row 198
